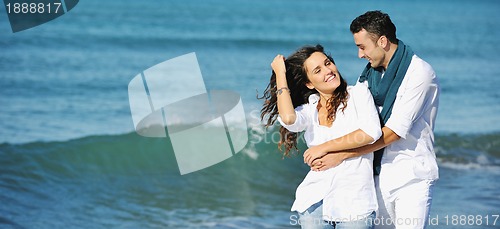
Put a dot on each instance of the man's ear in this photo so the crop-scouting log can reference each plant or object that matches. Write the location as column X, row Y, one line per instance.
column 382, row 42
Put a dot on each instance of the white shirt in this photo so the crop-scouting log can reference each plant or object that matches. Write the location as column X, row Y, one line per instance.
column 347, row 190
column 413, row 116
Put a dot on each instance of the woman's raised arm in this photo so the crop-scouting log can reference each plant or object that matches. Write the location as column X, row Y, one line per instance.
column 285, row 105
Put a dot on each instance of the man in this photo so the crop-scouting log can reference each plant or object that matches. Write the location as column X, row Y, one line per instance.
column 406, row 91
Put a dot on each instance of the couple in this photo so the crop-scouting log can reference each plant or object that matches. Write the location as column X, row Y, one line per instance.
column 391, row 110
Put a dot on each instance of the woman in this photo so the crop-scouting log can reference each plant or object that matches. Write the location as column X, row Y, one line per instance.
column 307, row 93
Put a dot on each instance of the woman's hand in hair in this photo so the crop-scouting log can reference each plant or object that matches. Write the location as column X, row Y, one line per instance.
column 278, row 65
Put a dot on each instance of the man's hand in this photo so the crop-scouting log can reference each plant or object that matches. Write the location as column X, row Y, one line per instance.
column 313, row 153
column 328, row 161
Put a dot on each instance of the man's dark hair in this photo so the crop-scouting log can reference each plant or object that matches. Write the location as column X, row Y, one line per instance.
column 377, row 24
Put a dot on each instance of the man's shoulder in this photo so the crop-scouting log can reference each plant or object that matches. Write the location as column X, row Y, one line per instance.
column 420, row 65
column 420, row 71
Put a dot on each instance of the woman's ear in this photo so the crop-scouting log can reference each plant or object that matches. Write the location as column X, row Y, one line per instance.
column 309, row 85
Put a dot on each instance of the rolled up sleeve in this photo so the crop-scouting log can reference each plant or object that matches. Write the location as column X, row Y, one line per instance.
column 411, row 100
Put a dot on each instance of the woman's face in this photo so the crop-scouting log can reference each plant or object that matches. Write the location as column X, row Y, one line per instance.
column 322, row 73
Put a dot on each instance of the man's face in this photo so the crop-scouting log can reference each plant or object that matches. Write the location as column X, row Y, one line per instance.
column 369, row 49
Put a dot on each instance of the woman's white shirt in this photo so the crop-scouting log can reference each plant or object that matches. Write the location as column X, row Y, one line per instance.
column 348, row 190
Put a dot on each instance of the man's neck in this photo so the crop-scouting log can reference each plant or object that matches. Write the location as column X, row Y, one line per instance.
column 389, row 53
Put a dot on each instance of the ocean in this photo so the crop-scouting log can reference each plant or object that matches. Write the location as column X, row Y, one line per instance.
column 70, row 158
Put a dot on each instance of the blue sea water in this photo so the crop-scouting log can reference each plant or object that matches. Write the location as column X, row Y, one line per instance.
column 69, row 156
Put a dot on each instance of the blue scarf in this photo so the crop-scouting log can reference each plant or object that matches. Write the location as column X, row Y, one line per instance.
column 384, row 89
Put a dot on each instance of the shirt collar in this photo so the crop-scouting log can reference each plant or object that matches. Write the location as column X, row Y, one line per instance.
column 313, row 99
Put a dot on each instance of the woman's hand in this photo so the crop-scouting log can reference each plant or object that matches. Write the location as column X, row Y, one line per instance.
column 278, row 65
column 328, row 161
column 313, row 153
